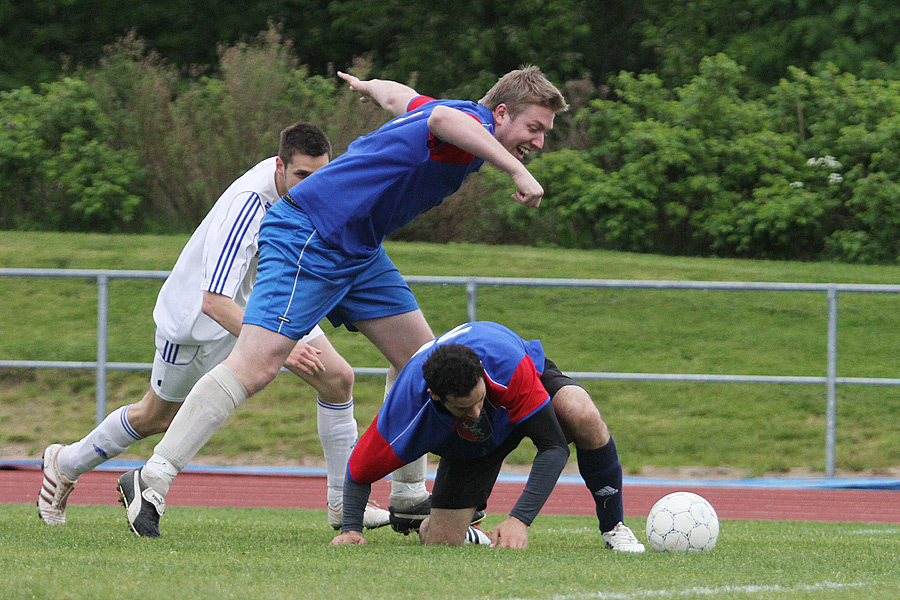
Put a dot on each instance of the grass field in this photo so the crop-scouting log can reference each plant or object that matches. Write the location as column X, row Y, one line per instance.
column 748, row 429
column 278, row 554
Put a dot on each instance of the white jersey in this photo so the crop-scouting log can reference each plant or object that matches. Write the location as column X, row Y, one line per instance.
column 220, row 257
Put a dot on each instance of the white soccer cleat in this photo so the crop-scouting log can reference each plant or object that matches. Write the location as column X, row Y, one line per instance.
column 621, row 539
column 474, row 535
column 373, row 518
column 55, row 489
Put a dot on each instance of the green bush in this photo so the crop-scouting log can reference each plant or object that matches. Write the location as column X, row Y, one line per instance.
column 61, row 167
column 710, row 168
column 808, row 169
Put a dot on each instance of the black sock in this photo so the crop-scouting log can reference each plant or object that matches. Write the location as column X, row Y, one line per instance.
column 602, row 474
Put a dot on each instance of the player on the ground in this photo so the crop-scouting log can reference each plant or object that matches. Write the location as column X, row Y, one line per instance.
column 470, row 396
column 321, row 254
column 198, row 317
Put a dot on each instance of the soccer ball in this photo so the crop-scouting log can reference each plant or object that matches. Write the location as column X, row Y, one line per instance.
column 682, row 522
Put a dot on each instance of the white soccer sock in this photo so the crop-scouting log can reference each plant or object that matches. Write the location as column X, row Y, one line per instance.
column 205, row 410
column 110, row 438
column 407, row 482
column 337, row 432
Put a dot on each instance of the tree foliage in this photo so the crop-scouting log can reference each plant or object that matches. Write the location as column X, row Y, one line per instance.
column 760, row 129
column 131, row 146
column 708, row 168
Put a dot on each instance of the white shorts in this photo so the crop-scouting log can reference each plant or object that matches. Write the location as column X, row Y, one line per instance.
column 177, row 367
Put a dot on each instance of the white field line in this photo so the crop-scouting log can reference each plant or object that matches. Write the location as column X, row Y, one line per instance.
column 874, row 532
column 703, row 591
column 573, row 531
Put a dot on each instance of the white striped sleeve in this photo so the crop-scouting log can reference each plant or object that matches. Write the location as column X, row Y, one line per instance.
column 232, row 244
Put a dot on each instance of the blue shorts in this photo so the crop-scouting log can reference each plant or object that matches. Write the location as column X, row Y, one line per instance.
column 301, row 279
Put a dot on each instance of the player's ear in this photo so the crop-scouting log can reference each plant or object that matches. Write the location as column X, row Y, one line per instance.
column 501, row 113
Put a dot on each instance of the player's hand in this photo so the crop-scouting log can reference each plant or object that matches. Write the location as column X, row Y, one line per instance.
column 349, row 537
column 528, row 191
column 511, row 533
column 305, row 358
column 356, row 84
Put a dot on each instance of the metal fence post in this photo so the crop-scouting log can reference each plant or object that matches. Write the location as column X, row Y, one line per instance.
column 471, row 300
column 831, row 384
column 102, row 328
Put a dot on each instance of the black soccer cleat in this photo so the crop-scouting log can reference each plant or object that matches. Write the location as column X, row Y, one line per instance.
column 411, row 519
column 144, row 506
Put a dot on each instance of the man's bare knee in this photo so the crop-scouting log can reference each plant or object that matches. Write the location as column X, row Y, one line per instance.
column 337, row 385
column 446, row 527
column 579, row 417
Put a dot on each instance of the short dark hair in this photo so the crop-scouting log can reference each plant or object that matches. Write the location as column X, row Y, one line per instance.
column 303, row 138
column 452, row 370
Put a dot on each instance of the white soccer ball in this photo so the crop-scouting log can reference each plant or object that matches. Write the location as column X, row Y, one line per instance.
column 682, row 522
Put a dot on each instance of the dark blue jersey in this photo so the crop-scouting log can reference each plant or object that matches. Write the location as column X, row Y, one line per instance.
column 387, row 178
column 410, row 425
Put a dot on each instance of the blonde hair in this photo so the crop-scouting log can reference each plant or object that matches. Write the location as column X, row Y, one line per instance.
column 523, row 87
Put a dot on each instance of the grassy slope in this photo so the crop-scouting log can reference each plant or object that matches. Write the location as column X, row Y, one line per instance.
column 756, row 428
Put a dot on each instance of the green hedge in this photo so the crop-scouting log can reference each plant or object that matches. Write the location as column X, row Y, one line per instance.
column 808, row 170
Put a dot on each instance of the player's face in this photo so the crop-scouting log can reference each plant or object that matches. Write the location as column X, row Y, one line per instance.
column 301, row 166
column 524, row 132
column 469, row 406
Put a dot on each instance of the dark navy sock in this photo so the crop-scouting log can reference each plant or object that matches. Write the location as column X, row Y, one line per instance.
column 602, row 474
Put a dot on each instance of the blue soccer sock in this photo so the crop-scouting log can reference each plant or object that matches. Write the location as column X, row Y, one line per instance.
column 602, row 473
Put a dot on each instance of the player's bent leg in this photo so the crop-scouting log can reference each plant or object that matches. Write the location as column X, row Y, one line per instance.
column 152, row 415
column 338, row 430
column 335, row 384
column 397, row 337
column 64, row 464
column 446, row 526
column 579, row 418
column 257, row 357
column 598, row 464
column 205, row 410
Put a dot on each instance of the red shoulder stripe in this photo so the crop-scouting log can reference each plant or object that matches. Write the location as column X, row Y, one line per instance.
column 372, row 458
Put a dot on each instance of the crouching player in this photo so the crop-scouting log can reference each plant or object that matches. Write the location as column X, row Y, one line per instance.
column 471, row 396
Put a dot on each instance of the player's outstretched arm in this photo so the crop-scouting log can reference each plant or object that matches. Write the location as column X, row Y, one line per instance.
column 457, row 128
column 391, row 96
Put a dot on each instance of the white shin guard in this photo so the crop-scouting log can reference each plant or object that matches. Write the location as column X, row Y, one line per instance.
column 205, row 410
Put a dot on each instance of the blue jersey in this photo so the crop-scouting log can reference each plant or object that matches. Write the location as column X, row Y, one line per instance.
column 387, row 178
column 410, row 425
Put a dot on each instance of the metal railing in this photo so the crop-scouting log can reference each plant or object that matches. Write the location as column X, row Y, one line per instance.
column 830, row 380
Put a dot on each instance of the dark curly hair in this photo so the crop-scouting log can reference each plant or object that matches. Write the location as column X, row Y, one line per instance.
column 452, row 370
